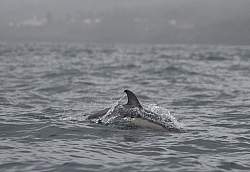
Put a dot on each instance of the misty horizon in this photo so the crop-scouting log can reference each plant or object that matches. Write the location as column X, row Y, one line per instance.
column 110, row 21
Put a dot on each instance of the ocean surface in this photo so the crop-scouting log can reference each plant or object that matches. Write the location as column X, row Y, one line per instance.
column 47, row 90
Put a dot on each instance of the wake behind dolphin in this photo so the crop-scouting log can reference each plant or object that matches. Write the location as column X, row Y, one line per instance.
column 135, row 114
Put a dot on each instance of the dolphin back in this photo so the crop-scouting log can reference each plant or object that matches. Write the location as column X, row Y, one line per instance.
column 98, row 114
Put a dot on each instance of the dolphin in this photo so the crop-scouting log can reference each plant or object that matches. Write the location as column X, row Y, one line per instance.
column 139, row 116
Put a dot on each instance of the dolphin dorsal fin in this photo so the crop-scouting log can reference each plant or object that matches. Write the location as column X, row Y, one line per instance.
column 132, row 99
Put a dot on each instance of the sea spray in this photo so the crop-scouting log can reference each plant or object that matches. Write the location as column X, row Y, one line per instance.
column 110, row 116
column 166, row 118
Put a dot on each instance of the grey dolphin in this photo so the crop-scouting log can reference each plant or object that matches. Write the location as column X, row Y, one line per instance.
column 139, row 116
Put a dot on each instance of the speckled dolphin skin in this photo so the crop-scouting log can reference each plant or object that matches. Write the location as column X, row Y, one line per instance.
column 139, row 116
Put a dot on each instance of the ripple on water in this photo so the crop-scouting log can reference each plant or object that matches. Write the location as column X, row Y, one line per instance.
column 48, row 89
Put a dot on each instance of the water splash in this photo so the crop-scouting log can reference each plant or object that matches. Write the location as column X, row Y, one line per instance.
column 152, row 112
column 113, row 112
column 115, row 115
column 165, row 118
column 70, row 115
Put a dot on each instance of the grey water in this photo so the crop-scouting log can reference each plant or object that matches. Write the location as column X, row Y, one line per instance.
column 47, row 89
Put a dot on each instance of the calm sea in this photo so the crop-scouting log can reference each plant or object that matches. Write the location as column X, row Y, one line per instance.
column 46, row 91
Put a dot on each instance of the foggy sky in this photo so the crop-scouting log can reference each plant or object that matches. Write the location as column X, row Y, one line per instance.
column 127, row 21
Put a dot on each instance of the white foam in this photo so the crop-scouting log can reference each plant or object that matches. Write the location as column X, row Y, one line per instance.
column 166, row 115
column 109, row 117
